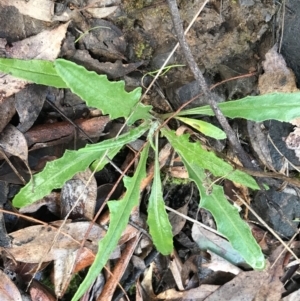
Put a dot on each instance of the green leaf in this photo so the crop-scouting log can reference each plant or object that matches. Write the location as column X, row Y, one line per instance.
column 158, row 221
column 98, row 164
column 229, row 223
column 97, row 90
column 227, row 218
column 130, row 136
column 194, row 153
column 54, row 175
column 37, row 71
column 140, row 112
column 204, row 127
column 279, row 106
column 119, row 217
column 57, row 172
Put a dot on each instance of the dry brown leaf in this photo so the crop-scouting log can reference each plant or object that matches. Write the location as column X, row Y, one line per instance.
column 32, row 243
column 176, row 269
column 277, row 77
column 146, row 285
column 295, row 122
column 13, row 142
column 96, row 289
column 138, row 292
column 179, row 172
column 243, row 287
column 293, row 140
column 10, row 85
column 51, row 201
column 43, row 46
column 84, row 259
column 103, row 2
column 101, row 12
column 29, row 103
column 246, row 286
column 38, row 291
column 37, row 9
column 178, row 221
column 235, row 192
column 8, row 290
column 217, row 264
column 105, row 39
column 259, row 138
column 196, row 294
column 63, row 266
column 191, row 267
column 113, row 70
column 82, row 186
column 7, row 111
column 54, row 132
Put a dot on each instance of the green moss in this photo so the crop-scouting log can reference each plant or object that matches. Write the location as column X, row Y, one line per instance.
column 139, row 49
column 142, row 50
column 73, row 286
column 131, row 5
column 178, row 181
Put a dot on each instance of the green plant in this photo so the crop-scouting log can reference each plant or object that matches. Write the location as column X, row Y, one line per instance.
column 112, row 99
column 87, row 31
column 164, row 71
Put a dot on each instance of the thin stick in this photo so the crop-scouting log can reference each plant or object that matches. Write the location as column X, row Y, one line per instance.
column 282, row 25
column 194, row 221
column 173, row 51
column 51, row 103
column 12, row 166
column 237, row 148
column 281, row 154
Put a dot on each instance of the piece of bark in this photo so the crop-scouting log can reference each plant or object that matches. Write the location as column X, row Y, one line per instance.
column 50, row 132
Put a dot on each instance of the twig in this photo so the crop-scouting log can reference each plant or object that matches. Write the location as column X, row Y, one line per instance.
column 282, row 25
column 51, row 103
column 268, row 174
column 173, row 51
column 239, row 151
column 2, row 152
column 194, row 221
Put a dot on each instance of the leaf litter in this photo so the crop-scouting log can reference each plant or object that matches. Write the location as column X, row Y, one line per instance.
column 37, row 238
